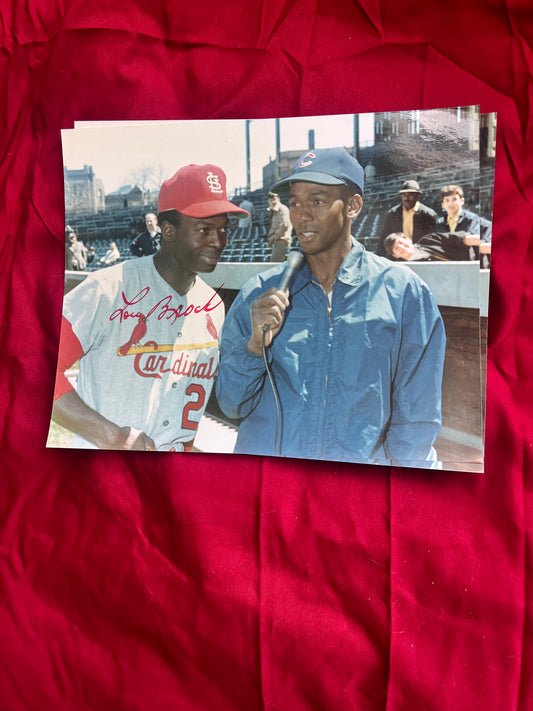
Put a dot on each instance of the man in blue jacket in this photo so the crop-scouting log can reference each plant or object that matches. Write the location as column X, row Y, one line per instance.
column 355, row 350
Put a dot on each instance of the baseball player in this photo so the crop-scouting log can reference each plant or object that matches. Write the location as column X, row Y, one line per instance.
column 355, row 348
column 146, row 331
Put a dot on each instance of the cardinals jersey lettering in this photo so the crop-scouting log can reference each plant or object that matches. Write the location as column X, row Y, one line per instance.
column 150, row 355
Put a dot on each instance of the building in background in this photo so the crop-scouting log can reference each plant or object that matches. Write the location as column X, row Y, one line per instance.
column 402, row 139
column 84, row 192
column 401, row 142
column 127, row 197
column 272, row 173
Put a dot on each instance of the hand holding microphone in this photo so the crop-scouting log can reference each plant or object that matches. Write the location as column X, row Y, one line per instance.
column 268, row 310
column 294, row 259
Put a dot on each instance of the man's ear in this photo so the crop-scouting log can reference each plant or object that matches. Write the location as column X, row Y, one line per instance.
column 168, row 231
column 354, row 206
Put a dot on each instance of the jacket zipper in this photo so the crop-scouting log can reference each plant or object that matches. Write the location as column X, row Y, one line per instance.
column 327, row 356
column 324, row 400
column 329, row 338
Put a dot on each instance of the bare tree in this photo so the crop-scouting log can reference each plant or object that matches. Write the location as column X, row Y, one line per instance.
column 148, row 177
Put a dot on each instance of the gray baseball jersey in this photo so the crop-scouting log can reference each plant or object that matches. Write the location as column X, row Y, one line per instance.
column 150, row 355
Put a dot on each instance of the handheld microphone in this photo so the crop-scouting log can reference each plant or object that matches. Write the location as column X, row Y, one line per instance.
column 294, row 259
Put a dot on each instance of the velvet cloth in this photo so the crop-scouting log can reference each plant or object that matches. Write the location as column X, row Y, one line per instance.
column 134, row 581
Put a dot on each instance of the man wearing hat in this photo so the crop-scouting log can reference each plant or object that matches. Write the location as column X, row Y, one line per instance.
column 146, row 331
column 355, row 346
column 410, row 217
column 279, row 234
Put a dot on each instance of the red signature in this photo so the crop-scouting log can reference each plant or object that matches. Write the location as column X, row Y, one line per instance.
column 163, row 308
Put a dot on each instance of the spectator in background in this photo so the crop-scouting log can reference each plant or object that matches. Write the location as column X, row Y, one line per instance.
column 400, row 246
column 91, row 254
column 410, row 217
column 111, row 256
column 249, row 207
column 279, row 235
column 463, row 223
column 435, row 246
column 76, row 254
column 147, row 242
column 457, row 219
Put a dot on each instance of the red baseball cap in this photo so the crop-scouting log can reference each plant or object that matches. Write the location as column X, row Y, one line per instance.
column 198, row 191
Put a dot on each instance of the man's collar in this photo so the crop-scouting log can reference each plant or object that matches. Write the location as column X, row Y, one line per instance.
column 416, row 207
column 349, row 271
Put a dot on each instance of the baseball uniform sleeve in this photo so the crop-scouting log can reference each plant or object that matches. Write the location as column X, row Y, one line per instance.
column 70, row 350
column 81, row 329
column 87, row 309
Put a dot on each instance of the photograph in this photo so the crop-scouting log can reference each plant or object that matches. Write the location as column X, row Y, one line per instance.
column 267, row 432
column 311, row 288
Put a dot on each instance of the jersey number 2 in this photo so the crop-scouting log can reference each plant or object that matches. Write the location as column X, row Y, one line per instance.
column 192, row 406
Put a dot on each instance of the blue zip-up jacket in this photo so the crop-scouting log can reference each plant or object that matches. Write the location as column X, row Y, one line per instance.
column 360, row 381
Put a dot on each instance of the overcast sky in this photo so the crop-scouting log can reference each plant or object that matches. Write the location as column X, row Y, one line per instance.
column 118, row 150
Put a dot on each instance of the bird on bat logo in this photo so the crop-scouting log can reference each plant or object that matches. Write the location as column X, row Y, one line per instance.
column 139, row 332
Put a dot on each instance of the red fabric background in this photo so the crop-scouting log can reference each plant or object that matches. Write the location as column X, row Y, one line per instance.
column 216, row 582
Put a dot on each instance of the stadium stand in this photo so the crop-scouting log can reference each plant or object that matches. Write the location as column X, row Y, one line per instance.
column 248, row 244
column 382, row 193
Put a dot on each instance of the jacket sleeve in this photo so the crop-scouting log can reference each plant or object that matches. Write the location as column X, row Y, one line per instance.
column 387, row 229
column 135, row 246
column 468, row 223
column 241, row 374
column 446, row 245
column 485, row 229
column 424, row 221
column 416, row 389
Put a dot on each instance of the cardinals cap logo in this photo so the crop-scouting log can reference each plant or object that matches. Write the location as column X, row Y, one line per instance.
column 214, row 183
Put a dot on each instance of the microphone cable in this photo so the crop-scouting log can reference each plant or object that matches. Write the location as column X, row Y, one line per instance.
column 294, row 259
column 274, row 393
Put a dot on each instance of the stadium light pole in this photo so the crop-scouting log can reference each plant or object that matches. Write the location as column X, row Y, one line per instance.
column 355, row 149
column 248, row 170
column 278, row 150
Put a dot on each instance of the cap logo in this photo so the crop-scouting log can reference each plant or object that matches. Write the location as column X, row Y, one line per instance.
column 304, row 163
column 214, row 183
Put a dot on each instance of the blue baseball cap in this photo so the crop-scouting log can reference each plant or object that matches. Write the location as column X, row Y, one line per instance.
column 326, row 166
